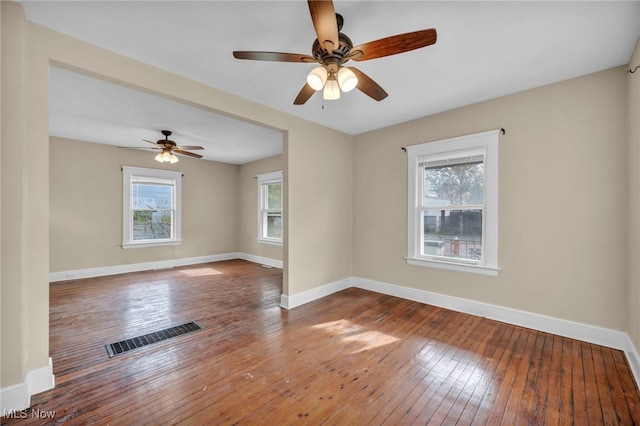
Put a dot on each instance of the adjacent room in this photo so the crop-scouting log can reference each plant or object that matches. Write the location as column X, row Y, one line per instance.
column 357, row 212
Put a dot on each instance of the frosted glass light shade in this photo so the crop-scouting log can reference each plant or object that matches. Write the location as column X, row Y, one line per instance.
column 347, row 79
column 317, row 78
column 166, row 156
column 331, row 91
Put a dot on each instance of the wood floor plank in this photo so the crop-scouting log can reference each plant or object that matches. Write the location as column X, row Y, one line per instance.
column 566, row 405
column 530, row 406
column 620, row 405
column 551, row 381
column 471, row 390
column 443, row 400
column 607, row 402
column 519, row 369
column 580, row 401
column 490, row 372
column 628, row 384
column 428, row 348
column 495, row 406
column 389, row 370
column 436, row 368
column 354, row 357
column 540, row 390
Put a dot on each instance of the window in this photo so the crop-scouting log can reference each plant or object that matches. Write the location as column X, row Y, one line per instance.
column 270, row 208
column 151, row 207
column 453, row 204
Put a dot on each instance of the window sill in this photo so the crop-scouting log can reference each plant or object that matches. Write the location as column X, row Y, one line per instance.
column 145, row 244
column 271, row 242
column 453, row 266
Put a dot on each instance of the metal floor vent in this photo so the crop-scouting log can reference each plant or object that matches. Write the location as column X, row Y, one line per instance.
column 123, row 346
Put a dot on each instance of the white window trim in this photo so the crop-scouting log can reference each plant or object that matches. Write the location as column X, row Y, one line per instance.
column 264, row 178
column 127, row 237
column 487, row 141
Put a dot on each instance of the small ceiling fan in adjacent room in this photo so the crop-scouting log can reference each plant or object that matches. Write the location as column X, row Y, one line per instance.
column 332, row 49
column 169, row 147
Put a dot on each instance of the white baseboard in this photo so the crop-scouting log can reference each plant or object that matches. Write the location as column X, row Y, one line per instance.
column 40, row 379
column 14, row 398
column 290, row 302
column 160, row 264
column 18, row 397
column 261, row 260
column 588, row 333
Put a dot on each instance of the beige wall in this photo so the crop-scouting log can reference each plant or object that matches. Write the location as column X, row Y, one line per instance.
column 248, row 199
column 634, row 198
column 319, row 187
column 86, row 206
column 562, row 198
column 309, row 260
column 12, row 349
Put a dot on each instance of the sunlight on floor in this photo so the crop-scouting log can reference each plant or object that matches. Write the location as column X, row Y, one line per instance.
column 200, row 272
column 466, row 371
column 147, row 300
column 351, row 333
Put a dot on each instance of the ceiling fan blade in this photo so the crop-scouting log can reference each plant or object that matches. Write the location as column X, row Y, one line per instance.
column 191, row 147
column 393, row 45
column 273, row 56
column 152, row 143
column 367, row 86
column 323, row 16
column 304, row 95
column 137, row 147
column 190, row 154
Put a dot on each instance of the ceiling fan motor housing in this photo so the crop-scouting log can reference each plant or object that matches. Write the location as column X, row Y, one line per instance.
column 166, row 140
column 332, row 60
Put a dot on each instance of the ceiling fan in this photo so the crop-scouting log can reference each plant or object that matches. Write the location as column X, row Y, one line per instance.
column 332, row 49
column 168, row 148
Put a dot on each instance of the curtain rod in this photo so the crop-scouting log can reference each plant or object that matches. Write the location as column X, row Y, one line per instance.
column 504, row 132
column 122, row 170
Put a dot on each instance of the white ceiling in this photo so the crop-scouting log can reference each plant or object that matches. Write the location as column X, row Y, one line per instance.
column 484, row 50
column 88, row 109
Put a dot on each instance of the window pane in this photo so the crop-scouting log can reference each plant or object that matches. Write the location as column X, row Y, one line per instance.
column 152, row 215
column 274, row 225
column 456, row 185
column 274, row 196
column 151, row 207
column 150, row 196
column 453, row 233
column 152, row 224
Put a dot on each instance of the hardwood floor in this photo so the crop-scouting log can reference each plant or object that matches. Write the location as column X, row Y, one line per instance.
column 353, row 358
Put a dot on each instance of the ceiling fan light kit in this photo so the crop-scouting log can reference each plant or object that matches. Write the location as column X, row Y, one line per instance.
column 347, row 79
column 331, row 91
column 317, row 78
column 166, row 156
column 332, row 49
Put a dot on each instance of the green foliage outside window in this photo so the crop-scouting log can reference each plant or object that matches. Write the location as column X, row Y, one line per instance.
column 151, row 224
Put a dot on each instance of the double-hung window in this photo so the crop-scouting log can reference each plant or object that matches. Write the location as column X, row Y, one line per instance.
column 151, row 207
column 270, row 208
column 453, row 204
